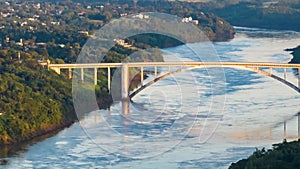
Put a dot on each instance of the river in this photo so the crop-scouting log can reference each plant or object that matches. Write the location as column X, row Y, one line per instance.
column 182, row 121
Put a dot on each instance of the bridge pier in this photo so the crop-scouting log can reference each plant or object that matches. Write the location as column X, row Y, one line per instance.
column 284, row 129
column 82, row 75
column 142, row 75
column 298, row 77
column 108, row 79
column 298, row 125
column 70, row 73
column 125, row 81
column 155, row 71
column 284, row 73
column 95, row 76
column 125, row 107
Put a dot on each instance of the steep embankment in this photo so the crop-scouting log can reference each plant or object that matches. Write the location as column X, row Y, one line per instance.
column 33, row 101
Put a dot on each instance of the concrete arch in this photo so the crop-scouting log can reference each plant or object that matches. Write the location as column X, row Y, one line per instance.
column 289, row 84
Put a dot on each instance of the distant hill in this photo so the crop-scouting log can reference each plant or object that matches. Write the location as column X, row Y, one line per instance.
column 281, row 15
column 270, row 14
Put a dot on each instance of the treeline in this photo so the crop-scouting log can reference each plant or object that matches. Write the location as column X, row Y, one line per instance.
column 281, row 156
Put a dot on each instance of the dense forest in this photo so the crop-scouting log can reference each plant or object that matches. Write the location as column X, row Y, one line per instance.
column 33, row 100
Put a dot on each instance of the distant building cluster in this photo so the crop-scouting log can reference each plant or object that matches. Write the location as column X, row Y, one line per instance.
column 122, row 42
column 123, row 14
column 43, row 17
column 141, row 16
column 190, row 20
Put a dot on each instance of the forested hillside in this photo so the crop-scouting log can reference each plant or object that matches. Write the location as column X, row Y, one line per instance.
column 33, row 100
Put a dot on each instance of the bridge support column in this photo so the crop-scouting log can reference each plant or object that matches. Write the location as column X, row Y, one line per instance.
column 298, row 125
column 271, row 70
column 125, row 82
column 155, row 71
column 284, row 129
column 70, row 73
column 298, row 77
column 95, row 76
column 142, row 75
column 125, row 107
column 284, row 73
column 108, row 79
column 82, row 75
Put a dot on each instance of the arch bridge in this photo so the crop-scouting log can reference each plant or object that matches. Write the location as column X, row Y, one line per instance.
column 180, row 67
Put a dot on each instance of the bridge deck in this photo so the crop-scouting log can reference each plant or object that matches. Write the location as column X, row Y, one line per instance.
column 152, row 64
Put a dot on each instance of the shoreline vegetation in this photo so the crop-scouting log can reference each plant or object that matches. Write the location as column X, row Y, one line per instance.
column 35, row 101
column 284, row 155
